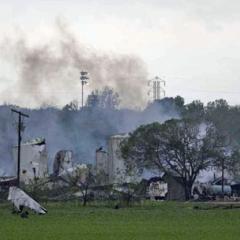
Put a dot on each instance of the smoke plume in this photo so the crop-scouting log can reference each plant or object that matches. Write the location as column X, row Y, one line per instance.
column 48, row 73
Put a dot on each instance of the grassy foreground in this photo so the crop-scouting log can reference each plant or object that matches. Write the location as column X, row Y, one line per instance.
column 151, row 221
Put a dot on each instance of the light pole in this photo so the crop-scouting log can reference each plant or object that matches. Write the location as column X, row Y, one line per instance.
column 84, row 80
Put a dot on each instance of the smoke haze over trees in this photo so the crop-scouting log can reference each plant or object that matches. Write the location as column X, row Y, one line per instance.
column 204, row 138
column 85, row 130
column 79, row 130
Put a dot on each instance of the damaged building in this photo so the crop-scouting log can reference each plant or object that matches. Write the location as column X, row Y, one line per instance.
column 110, row 162
column 112, row 165
column 64, row 168
column 101, row 160
column 34, row 160
column 116, row 165
column 62, row 162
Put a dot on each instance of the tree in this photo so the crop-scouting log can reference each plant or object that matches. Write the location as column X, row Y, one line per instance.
column 128, row 187
column 72, row 106
column 82, row 179
column 105, row 99
column 101, row 177
column 194, row 111
column 225, row 120
column 179, row 148
column 167, row 106
column 226, row 155
column 38, row 188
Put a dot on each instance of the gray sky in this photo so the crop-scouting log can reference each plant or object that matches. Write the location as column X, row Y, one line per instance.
column 193, row 44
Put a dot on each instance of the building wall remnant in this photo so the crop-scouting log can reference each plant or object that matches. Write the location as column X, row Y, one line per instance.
column 62, row 162
column 102, row 166
column 101, row 161
column 34, row 160
column 116, row 165
column 112, row 164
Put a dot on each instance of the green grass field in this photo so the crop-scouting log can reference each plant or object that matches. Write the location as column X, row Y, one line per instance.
column 151, row 221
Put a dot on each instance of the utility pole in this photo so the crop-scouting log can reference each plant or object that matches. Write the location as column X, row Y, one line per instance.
column 20, row 115
column 156, row 88
column 84, row 80
column 223, row 167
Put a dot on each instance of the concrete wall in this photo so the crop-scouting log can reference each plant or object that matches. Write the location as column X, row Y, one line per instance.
column 34, row 161
column 101, row 161
column 116, row 166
